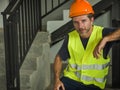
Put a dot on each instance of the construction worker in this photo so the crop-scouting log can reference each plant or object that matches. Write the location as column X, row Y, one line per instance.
column 86, row 51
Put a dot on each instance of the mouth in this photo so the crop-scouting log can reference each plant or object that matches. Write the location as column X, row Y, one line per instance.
column 82, row 30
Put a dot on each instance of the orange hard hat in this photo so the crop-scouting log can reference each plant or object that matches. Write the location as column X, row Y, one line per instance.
column 80, row 7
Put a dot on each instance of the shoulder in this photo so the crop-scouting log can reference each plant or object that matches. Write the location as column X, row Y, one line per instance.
column 96, row 27
column 72, row 32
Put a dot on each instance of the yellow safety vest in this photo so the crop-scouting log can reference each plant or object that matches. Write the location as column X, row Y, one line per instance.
column 82, row 66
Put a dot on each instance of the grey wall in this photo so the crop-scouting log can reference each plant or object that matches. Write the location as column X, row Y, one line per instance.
column 3, row 5
column 104, row 20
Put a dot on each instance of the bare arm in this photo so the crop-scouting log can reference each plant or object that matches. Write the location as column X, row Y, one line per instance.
column 111, row 37
column 57, row 71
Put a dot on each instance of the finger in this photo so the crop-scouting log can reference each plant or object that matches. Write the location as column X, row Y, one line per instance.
column 58, row 88
column 99, row 51
column 63, row 88
column 96, row 54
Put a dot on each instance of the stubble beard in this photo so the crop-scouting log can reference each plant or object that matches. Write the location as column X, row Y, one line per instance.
column 84, row 34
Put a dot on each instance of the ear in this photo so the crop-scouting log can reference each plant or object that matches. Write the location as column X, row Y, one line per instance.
column 92, row 19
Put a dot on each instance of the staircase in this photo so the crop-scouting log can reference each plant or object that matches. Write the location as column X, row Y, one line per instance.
column 35, row 70
column 34, row 73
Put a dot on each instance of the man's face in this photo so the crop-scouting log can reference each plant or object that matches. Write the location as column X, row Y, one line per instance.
column 83, row 25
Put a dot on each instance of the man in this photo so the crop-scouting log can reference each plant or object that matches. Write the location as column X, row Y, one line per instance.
column 86, row 50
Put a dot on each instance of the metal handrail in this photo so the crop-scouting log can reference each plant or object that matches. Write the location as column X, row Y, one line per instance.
column 22, row 20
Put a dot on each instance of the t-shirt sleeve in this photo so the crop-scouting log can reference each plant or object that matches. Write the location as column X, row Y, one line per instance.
column 63, row 51
column 107, row 31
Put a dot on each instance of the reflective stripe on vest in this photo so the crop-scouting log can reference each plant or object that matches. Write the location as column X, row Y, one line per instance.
column 85, row 67
column 87, row 78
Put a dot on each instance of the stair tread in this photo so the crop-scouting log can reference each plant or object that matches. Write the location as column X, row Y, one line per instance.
column 26, row 72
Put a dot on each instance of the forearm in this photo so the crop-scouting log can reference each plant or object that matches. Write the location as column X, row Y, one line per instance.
column 109, row 38
column 57, row 67
column 113, row 36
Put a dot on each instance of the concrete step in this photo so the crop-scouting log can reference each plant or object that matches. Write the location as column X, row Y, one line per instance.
column 25, row 88
column 53, row 25
column 29, row 63
column 25, row 78
column 66, row 15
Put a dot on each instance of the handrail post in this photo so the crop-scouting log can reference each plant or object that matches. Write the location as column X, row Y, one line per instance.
column 40, row 14
column 7, row 52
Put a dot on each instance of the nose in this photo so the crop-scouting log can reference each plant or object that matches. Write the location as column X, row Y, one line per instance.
column 80, row 25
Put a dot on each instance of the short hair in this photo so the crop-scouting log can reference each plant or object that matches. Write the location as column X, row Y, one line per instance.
column 90, row 15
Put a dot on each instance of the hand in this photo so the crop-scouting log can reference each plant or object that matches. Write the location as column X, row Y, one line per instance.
column 59, row 85
column 99, row 47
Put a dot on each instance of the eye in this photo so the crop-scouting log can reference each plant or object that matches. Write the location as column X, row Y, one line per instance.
column 75, row 22
column 84, row 20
